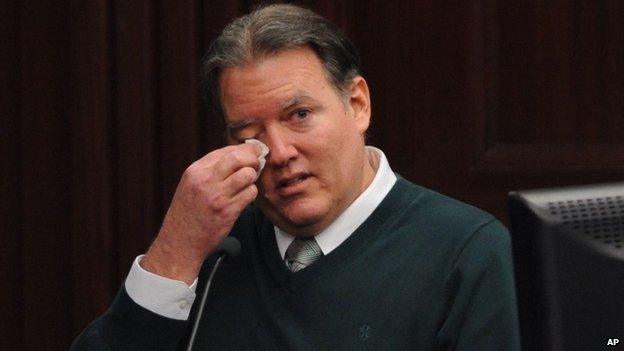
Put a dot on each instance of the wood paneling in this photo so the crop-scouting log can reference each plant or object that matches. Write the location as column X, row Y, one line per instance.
column 46, row 174
column 10, row 183
column 179, row 139
column 91, row 189
column 101, row 114
column 136, row 90
column 560, row 74
column 553, row 102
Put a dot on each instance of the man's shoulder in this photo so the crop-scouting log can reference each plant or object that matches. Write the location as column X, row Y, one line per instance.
column 439, row 213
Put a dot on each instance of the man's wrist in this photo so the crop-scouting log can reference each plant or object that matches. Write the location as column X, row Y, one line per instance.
column 173, row 263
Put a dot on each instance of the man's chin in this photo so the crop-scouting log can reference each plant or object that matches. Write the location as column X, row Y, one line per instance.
column 297, row 219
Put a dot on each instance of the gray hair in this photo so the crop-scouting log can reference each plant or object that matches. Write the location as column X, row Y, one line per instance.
column 274, row 28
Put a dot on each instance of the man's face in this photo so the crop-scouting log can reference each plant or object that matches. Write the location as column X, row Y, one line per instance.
column 317, row 163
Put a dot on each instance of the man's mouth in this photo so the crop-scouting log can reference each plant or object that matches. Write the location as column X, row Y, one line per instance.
column 292, row 185
column 293, row 180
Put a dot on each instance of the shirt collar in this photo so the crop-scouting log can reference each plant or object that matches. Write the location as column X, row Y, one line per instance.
column 349, row 220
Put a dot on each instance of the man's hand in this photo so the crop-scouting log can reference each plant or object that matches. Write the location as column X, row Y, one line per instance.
column 209, row 198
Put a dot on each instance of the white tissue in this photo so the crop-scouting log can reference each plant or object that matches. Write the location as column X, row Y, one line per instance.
column 263, row 153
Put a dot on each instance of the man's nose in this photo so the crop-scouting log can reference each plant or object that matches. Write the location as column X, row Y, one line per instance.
column 281, row 149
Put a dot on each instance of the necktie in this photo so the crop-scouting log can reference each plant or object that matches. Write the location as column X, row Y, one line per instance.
column 301, row 253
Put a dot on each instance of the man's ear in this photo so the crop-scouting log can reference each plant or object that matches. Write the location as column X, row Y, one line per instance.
column 359, row 101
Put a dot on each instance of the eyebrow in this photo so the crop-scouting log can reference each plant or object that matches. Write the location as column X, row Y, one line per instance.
column 239, row 124
column 234, row 126
column 297, row 99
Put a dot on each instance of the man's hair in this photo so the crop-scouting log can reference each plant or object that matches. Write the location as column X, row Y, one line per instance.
column 272, row 29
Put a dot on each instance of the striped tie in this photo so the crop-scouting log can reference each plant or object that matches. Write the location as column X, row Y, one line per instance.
column 301, row 253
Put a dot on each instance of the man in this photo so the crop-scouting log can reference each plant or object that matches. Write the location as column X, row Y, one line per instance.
column 338, row 252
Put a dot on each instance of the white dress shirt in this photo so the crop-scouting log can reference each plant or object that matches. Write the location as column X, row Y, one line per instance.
column 173, row 299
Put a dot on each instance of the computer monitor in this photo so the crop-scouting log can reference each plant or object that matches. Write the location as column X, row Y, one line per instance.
column 568, row 246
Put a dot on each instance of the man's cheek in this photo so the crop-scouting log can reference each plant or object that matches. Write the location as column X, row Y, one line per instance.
column 264, row 185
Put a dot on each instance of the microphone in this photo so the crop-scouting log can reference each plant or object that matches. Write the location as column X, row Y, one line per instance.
column 229, row 248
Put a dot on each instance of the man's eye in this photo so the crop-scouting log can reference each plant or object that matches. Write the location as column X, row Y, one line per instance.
column 302, row 114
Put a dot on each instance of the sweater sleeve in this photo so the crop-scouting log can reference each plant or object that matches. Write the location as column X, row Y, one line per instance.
column 128, row 326
column 482, row 311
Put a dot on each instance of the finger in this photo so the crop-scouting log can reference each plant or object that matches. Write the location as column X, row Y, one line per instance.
column 239, row 180
column 211, row 158
column 254, row 149
column 245, row 197
column 233, row 158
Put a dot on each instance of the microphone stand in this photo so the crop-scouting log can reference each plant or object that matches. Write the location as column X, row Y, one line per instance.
column 229, row 247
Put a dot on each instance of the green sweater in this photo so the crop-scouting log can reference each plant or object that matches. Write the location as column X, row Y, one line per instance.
column 423, row 272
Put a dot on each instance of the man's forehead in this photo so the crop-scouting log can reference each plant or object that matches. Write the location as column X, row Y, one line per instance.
column 276, row 81
column 266, row 71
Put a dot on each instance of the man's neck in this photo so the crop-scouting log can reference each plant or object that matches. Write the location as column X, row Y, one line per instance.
column 357, row 212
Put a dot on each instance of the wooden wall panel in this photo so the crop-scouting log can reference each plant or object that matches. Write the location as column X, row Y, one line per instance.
column 560, row 75
column 554, row 92
column 46, row 171
column 179, row 139
column 11, row 273
column 135, row 93
column 91, row 189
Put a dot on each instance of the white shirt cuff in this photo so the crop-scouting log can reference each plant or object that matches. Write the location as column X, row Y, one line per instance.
column 167, row 297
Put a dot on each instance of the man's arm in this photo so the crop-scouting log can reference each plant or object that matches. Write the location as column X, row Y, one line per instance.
column 128, row 326
column 209, row 199
column 482, row 311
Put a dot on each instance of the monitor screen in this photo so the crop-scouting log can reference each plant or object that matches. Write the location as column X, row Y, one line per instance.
column 568, row 248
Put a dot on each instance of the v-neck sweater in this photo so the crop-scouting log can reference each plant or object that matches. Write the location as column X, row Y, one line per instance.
column 423, row 272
